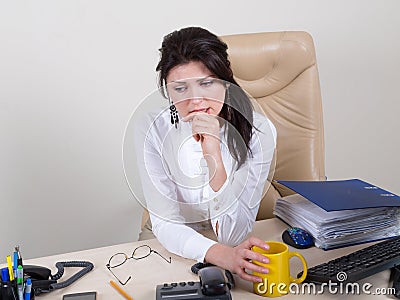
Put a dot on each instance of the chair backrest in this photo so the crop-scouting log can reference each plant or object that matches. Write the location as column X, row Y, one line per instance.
column 279, row 70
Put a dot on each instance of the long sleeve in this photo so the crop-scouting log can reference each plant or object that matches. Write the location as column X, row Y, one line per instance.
column 235, row 207
column 181, row 239
column 160, row 192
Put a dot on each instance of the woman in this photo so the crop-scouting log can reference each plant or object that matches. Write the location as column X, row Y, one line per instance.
column 204, row 161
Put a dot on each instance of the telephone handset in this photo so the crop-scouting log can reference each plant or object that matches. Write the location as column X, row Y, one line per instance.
column 41, row 278
column 37, row 272
column 44, row 282
column 214, row 284
column 213, row 281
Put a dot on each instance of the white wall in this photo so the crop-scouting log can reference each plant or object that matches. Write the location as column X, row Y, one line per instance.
column 71, row 73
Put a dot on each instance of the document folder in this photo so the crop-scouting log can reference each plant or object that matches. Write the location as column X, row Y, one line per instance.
column 343, row 194
column 340, row 228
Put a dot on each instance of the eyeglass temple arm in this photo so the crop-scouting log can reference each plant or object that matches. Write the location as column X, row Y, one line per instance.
column 123, row 283
column 167, row 260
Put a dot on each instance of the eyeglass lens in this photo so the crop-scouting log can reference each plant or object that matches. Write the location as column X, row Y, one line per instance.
column 138, row 253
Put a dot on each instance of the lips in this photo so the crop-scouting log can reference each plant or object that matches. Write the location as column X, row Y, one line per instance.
column 204, row 110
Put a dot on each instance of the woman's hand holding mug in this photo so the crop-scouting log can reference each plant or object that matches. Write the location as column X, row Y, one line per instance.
column 238, row 259
column 276, row 282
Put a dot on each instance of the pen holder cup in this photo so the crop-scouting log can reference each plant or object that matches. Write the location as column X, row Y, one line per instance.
column 9, row 291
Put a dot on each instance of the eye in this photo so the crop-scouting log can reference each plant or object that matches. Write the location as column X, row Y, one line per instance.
column 180, row 88
column 207, row 82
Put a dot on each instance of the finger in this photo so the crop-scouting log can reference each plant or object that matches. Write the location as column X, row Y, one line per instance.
column 249, row 277
column 201, row 123
column 197, row 137
column 206, row 124
column 209, row 122
column 255, row 268
column 255, row 256
column 204, row 131
column 191, row 116
column 254, row 241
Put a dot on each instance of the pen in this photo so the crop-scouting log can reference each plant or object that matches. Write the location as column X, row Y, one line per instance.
column 28, row 288
column 19, row 259
column 121, row 291
column 10, row 269
column 20, row 276
column 4, row 274
column 20, row 282
column 20, row 292
column 15, row 266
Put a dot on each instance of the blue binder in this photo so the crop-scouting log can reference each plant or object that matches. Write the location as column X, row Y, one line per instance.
column 343, row 194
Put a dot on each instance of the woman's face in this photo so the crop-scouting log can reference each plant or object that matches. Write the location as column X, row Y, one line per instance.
column 194, row 89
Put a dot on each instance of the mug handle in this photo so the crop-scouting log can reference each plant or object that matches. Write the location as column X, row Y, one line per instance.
column 303, row 277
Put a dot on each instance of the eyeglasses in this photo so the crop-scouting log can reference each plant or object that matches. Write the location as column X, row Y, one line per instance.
column 140, row 252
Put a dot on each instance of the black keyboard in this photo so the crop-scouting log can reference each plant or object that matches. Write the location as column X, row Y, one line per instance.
column 359, row 264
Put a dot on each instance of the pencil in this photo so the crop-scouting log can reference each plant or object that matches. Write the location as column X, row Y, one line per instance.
column 10, row 268
column 121, row 291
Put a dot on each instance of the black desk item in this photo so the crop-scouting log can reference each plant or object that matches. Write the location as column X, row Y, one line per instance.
column 359, row 264
column 395, row 276
column 184, row 291
column 80, row 296
column 213, row 285
column 44, row 282
column 298, row 238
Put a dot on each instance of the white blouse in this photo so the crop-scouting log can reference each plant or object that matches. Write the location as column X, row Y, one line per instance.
column 174, row 177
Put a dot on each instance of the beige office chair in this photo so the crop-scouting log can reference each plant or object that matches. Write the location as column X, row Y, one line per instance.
column 279, row 70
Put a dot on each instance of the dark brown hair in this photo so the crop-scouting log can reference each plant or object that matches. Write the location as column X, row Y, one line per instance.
column 198, row 44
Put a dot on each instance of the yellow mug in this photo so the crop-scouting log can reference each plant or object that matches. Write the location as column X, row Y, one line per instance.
column 276, row 282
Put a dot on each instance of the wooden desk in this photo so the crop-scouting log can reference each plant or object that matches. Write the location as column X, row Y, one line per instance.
column 151, row 271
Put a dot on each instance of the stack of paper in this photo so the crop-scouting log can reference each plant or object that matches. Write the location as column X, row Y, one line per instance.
column 333, row 229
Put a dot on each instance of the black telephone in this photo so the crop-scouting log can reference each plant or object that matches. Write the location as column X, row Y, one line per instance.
column 42, row 279
column 213, row 284
column 44, row 282
column 37, row 272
